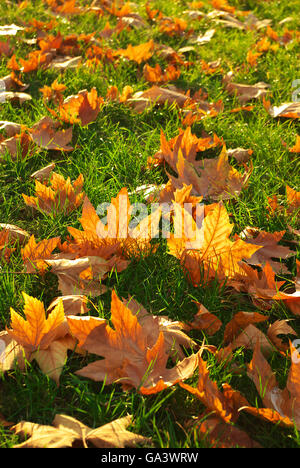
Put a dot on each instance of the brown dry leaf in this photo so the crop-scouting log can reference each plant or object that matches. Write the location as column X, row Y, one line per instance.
column 45, row 135
column 18, row 145
column 143, row 100
column 174, row 337
column 80, row 276
column 280, row 327
column 11, row 353
column 128, row 359
column 43, row 174
column 245, row 92
column 15, row 98
column 248, row 339
column 209, row 247
column 205, row 320
column 280, row 406
column 287, row 110
column 73, row 304
column 241, row 155
column 222, row 404
column 11, row 128
column 239, row 322
column 222, row 435
column 66, row 431
column 270, row 248
column 260, row 285
column 62, row 196
column 64, row 62
column 82, row 108
column 15, row 233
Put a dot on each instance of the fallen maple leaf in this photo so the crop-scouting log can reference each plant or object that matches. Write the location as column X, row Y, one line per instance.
column 139, row 53
column 156, row 75
column 239, row 322
column 270, row 248
column 66, row 431
column 45, row 339
column 287, row 110
column 281, row 406
column 82, row 108
column 204, row 320
column 128, row 358
column 213, row 179
column 37, row 331
column 121, row 235
column 45, row 135
column 60, row 197
column 209, row 250
column 34, row 253
column 245, row 92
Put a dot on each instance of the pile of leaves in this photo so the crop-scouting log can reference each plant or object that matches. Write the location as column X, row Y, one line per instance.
column 83, row 303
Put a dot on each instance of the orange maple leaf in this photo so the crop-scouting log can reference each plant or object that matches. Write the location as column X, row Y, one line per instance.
column 61, row 197
column 139, row 53
column 128, row 357
column 37, row 331
column 207, row 250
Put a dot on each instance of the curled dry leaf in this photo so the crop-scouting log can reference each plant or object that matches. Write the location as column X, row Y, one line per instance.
column 144, row 100
column 11, row 353
column 45, row 135
column 15, row 98
column 66, row 431
column 270, row 248
column 281, row 406
column 241, row 155
column 80, row 276
column 288, row 110
column 44, row 173
column 245, row 92
column 11, row 128
column 205, row 320
column 14, row 233
column 73, row 304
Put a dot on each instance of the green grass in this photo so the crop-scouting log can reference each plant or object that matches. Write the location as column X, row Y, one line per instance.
column 111, row 153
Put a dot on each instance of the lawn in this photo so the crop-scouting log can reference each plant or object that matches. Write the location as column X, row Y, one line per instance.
column 111, row 138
